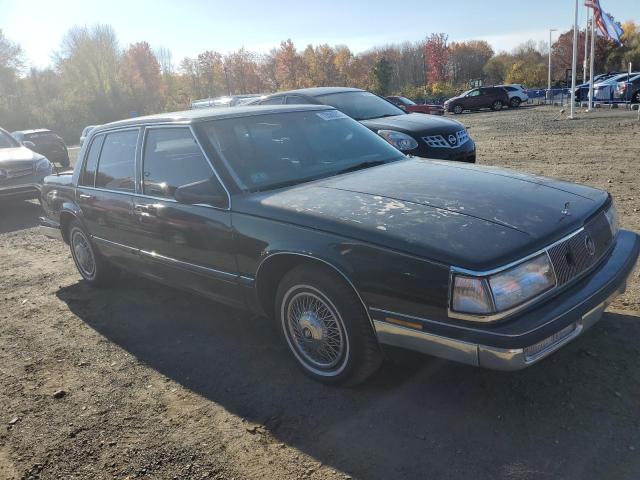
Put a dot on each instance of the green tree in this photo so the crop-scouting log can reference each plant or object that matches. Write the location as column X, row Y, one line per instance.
column 381, row 76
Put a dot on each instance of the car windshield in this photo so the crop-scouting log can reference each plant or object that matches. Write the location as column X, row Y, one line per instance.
column 406, row 101
column 269, row 151
column 360, row 105
column 7, row 141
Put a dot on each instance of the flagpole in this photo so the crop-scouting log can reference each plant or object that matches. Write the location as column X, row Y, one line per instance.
column 574, row 62
column 593, row 46
column 586, row 46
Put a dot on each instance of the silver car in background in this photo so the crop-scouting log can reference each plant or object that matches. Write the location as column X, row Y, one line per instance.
column 21, row 169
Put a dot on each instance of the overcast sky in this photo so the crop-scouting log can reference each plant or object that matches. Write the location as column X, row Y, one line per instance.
column 188, row 27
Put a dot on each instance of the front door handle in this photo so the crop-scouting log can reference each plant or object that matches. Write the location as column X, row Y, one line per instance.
column 85, row 196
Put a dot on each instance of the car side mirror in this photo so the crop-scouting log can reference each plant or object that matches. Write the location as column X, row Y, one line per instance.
column 208, row 192
column 29, row 144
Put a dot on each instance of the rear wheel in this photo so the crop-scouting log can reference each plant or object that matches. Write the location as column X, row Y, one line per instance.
column 497, row 105
column 93, row 268
column 457, row 109
column 515, row 102
column 326, row 327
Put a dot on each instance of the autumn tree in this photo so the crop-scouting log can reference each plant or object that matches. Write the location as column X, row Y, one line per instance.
column 288, row 65
column 211, row 74
column 467, row 60
column 142, row 79
column 242, row 71
column 436, row 52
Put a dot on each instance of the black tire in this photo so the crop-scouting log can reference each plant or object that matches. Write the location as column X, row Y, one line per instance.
column 93, row 267
column 636, row 97
column 457, row 109
column 497, row 105
column 515, row 102
column 340, row 347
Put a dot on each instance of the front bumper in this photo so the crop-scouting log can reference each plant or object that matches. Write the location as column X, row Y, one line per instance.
column 464, row 153
column 24, row 191
column 50, row 229
column 529, row 337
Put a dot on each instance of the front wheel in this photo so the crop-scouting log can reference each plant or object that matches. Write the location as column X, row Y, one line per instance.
column 636, row 97
column 325, row 326
column 497, row 105
column 515, row 102
column 457, row 109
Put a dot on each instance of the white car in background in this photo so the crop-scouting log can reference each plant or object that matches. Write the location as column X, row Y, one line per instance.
column 603, row 92
column 517, row 94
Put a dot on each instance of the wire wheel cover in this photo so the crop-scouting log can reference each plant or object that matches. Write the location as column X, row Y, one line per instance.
column 315, row 330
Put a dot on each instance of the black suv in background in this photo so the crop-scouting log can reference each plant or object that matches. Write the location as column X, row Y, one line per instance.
column 416, row 134
column 46, row 143
column 494, row 98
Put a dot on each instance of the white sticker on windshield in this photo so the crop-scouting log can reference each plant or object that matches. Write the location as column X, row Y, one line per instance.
column 331, row 115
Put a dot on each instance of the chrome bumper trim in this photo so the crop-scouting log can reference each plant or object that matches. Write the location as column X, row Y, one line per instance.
column 483, row 355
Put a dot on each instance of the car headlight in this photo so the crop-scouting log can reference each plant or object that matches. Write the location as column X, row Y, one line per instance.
column 504, row 290
column 401, row 141
column 44, row 166
column 612, row 217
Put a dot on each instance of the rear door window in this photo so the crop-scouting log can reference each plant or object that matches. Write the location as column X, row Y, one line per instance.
column 297, row 100
column 88, row 176
column 172, row 158
column 116, row 168
column 272, row 101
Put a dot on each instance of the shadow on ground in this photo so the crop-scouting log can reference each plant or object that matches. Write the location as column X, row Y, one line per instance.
column 18, row 215
column 576, row 415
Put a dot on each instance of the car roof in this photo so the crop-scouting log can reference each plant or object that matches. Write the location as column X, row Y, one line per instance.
column 204, row 114
column 316, row 91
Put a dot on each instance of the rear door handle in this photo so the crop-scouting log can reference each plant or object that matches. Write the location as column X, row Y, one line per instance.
column 145, row 208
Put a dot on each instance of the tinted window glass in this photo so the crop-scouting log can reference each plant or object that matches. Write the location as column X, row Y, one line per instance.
column 360, row 105
column 116, row 169
column 510, row 89
column 89, row 172
column 172, row 158
column 270, row 151
column 297, row 100
column 272, row 101
column 473, row 93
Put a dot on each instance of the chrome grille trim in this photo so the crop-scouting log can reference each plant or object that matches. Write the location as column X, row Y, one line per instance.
column 439, row 141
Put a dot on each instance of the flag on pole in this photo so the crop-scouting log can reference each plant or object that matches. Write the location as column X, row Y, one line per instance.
column 607, row 25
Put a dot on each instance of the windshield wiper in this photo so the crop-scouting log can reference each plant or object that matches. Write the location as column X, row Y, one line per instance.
column 361, row 166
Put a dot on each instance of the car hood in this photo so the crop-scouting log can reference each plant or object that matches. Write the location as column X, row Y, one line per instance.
column 17, row 154
column 469, row 216
column 415, row 123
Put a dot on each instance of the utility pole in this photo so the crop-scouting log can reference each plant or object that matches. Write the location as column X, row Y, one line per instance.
column 574, row 61
column 551, row 30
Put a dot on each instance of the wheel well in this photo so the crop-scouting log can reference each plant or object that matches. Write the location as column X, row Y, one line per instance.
column 274, row 268
column 65, row 221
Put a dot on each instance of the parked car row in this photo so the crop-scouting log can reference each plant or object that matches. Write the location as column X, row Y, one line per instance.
column 305, row 215
column 612, row 87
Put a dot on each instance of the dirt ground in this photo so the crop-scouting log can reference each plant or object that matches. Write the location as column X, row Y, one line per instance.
column 144, row 381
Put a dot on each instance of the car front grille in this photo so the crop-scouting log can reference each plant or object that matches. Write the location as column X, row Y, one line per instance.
column 9, row 170
column 572, row 257
column 447, row 141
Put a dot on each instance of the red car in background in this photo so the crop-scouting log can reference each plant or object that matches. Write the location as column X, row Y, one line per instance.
column 410, row 106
